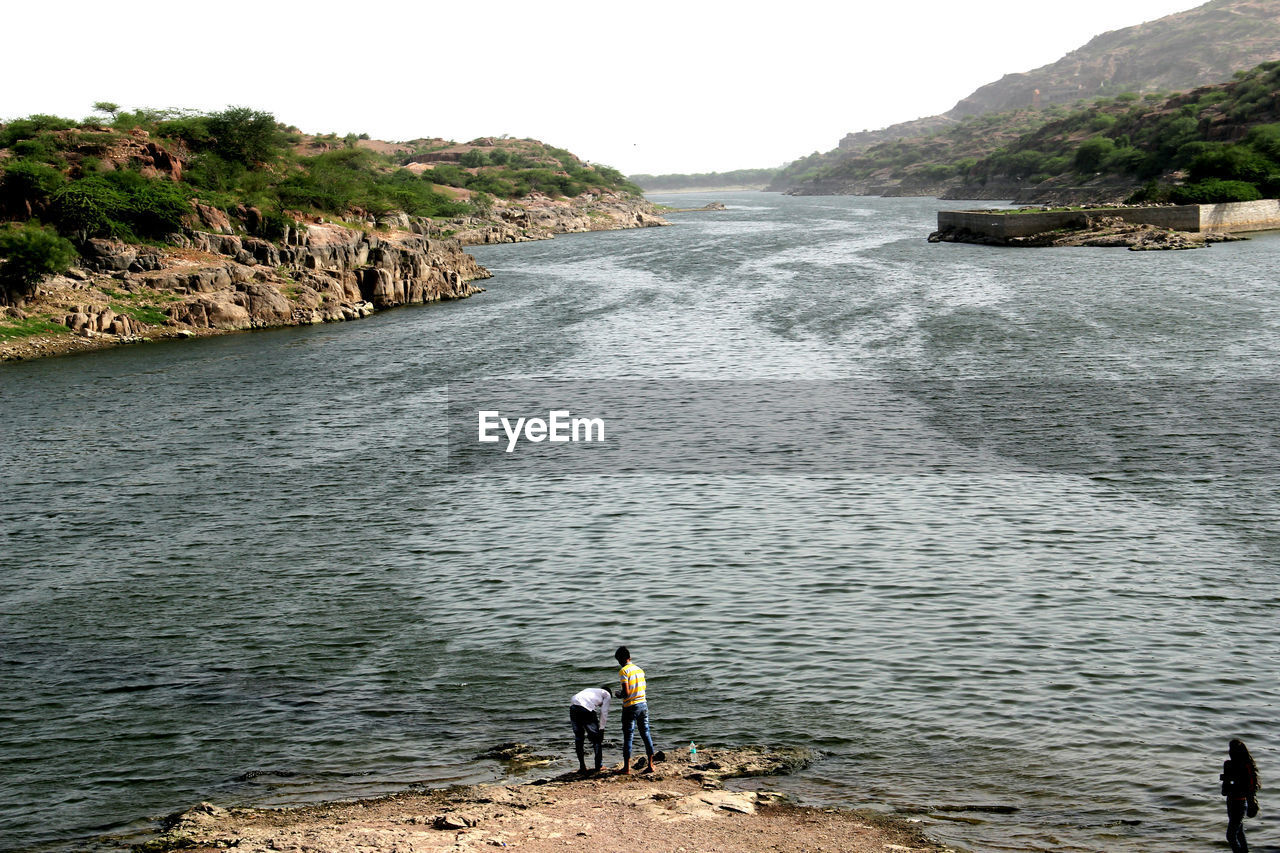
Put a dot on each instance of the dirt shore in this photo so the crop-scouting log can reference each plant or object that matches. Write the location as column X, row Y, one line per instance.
column 683, row 807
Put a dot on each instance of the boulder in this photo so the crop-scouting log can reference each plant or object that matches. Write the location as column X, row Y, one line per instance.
column 212, row 218
column 265, row 304
column 107, row 255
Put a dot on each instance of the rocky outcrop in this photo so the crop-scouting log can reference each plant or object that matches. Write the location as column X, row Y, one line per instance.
column 538, row 217
column 332, row 273
column 86, row 320
column 221, row 282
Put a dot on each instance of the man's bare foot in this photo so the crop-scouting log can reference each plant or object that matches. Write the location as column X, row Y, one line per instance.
column 626, row 767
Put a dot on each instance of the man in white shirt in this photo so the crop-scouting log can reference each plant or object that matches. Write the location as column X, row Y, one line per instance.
column 589, row 711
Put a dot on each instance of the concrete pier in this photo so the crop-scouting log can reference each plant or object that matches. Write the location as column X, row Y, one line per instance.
column 1261, row 215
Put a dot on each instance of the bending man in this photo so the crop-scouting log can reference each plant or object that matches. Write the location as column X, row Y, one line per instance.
column 588, row 711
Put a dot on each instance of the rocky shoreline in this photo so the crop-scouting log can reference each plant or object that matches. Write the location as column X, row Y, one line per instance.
column 682, row 806
column 210, row 280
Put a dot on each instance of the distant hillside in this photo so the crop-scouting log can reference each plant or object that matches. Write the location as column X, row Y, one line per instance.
column 1215, row 143
column 914, row 165
column 1204, row 45
column 1194, row 48
column 737, row 179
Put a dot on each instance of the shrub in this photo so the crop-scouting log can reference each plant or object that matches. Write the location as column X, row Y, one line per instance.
column 474, row 158
column 28, row 253
column 1125, row 160
column 157, row 208
column 193, row 130
column 1214, row 191
column 87, row 208
column 1265, row 139
column 211, row 172
column 449, row 175
column 1229, row 162
column 1092, row 153
column 30, row 127
column 120, row 204
column 27, row 182
column 244, row 135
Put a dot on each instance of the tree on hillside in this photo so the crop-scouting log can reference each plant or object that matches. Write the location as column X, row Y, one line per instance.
column 28, row 253
column 108, row 107
column 244, row 135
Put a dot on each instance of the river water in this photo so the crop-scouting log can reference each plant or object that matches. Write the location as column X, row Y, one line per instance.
column 247, row 569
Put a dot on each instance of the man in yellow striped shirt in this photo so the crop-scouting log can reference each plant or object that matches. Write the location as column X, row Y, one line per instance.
column 635, row 708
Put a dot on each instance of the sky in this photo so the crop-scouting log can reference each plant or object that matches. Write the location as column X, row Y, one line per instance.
column 650, row 87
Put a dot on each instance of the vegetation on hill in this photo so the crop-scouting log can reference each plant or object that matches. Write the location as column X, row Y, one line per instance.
column 135, row 175
column 1215, row 143
column 708, row 180
column 923, row 160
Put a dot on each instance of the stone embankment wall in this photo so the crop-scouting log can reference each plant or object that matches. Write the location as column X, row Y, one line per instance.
column 1236, row 216
column 1261, row 215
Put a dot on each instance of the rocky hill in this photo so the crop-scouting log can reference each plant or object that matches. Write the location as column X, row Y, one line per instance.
column 1212, row 144
column 1202, row 46
column 154, row 225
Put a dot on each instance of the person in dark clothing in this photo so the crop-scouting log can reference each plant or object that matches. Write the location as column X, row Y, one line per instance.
column 1240, row 787
column 589, row 712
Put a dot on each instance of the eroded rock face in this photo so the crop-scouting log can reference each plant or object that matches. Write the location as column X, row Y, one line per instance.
column 332, row 273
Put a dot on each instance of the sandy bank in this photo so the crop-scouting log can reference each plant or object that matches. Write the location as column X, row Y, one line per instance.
column 683, row 807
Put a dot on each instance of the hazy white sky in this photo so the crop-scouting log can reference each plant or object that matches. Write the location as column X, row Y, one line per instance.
column 657, row 86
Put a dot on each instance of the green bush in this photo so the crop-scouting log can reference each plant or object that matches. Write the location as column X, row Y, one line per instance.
column 157, row 208
column 27, row 182
column 1265, row 139
column 447, row 174
column 244, row 135
column 474, row 158
column 28, row 253
column 1125, row 160
column 1214, row 191
column 1229, row 162
column 120, row 204
column 1092, row 153
column 88, row 208
column 31, row 127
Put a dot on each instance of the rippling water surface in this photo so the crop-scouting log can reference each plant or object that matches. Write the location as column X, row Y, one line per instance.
column 243, row 569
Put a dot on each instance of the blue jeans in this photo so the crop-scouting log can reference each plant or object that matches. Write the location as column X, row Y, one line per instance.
column 1235, row 826
column 636, row 715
